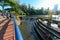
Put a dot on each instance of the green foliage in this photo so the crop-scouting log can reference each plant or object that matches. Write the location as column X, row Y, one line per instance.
column 0, row 11
column 23, row 7
column 51, row 13
column 31, row 11
column 15, row 10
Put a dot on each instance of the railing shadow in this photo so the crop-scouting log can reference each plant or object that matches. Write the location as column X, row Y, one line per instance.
column 3, row 30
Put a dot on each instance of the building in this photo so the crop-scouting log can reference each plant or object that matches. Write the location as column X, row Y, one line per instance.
column 55, row 7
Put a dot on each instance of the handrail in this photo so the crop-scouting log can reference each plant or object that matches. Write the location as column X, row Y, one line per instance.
column 18, row 34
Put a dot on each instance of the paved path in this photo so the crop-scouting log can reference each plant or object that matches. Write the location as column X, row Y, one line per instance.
column 7, row 30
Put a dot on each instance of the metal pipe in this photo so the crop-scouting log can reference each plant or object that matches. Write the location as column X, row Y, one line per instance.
column 18, row 34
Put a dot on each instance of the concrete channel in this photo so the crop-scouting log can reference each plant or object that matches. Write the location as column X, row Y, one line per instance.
column 53, row 33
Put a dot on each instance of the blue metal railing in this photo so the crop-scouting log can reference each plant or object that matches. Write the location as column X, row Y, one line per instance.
column 18, row 34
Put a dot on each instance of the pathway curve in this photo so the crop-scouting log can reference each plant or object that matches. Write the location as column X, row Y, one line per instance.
column 7, row 30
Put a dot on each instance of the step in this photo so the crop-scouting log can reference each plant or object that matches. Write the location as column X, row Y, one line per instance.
column 2, row 20
column 3, row 23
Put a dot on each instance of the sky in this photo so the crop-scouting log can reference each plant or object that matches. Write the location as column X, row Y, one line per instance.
column 37, row 4
column 5, row 7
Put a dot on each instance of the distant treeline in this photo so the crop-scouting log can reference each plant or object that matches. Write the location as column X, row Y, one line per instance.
column 31, row 11
column 28, row 10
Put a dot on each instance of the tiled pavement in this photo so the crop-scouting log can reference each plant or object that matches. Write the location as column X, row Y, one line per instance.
column 7, row 30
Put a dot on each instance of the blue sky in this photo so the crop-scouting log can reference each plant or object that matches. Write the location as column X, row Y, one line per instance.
column 5, row 7
column 42, row 3
column 33, row 3
column 0, row 7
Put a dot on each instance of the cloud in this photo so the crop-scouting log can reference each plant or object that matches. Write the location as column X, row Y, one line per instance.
column 48, row 3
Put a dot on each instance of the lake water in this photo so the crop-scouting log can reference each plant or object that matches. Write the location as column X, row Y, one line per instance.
column 27, row 28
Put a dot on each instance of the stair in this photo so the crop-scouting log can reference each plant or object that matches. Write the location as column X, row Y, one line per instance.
column 7, row 30
column 3, row 23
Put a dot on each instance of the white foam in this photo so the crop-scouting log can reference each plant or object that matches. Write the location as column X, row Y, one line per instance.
column 54, row 25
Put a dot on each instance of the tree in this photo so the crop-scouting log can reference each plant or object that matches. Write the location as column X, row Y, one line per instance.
column 13, row 4
column 3, row 3
column 16, row 8
column 50, row 14
column 40, row 11
column 23, row 7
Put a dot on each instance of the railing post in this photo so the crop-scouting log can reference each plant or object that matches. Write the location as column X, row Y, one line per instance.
column 18, row 34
